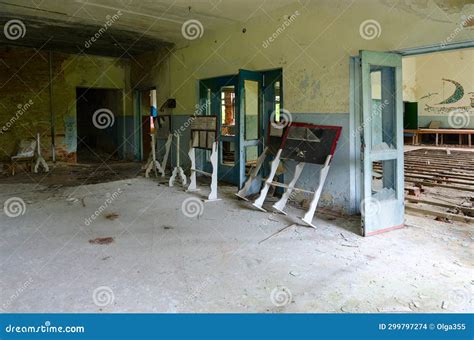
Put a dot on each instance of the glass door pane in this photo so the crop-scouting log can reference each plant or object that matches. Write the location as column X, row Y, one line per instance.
column 382, row 199
column 251, row 109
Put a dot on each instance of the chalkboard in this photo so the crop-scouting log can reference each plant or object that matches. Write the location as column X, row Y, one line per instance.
column 309, row 143
column 203, row 131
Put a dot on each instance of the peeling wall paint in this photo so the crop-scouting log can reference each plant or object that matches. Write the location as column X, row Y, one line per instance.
column 24, row 75
column 313, row 50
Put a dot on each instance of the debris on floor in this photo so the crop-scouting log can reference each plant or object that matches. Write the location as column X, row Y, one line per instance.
column 102, row 240
column 112, row 216
column 444, row 191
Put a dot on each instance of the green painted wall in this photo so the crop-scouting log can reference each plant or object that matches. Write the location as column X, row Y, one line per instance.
column 24, row 79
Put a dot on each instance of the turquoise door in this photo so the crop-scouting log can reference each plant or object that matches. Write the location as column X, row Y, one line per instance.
column 218, row 96
column 250, row 121
column 381, row 126
column 243, row 104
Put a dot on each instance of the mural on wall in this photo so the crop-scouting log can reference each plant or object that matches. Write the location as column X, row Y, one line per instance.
column 445, row 107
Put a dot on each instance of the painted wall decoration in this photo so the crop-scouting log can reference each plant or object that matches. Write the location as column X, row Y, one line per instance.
column 446, row 106
column 457, row 95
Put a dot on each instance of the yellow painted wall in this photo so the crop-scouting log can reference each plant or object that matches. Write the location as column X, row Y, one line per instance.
column 431, row 69
column 313, row 49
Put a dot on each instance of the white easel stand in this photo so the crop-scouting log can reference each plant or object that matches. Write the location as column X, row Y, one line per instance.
column 177, row 171
column 153, row 164
column 243, row 193
column 167, row 152
column 280, row 205
column 214, row 161
column 308, row 217
column 39, row 159
column 268, row 182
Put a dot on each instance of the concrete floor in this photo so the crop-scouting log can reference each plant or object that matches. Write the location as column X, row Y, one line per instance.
column 162, row 261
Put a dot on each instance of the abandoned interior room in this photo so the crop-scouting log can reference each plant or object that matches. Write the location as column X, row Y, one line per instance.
column 250, row 156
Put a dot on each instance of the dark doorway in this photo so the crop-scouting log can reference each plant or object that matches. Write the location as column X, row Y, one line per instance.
column 98, row 112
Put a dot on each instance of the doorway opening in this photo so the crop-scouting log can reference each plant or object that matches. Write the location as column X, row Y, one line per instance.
column 438, row 96
column 243, row 104
column 413, row 136
column 147, row 111
column 98, row 137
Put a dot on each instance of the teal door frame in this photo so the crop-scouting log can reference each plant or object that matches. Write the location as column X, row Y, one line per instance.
column 355, row 112
column 244, row 143
column 270, row 77
column 210, row 97
column 380, row 212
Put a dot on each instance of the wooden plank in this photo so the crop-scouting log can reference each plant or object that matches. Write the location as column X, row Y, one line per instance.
column 437, row 178
column 431, row 184
column 465, row 211
column 449, row 216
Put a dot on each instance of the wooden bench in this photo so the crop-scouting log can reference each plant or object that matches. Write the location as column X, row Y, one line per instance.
column 439, row 134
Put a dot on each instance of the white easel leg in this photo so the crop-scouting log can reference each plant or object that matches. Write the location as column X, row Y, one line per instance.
column 173, row 177
column 154, row 164
column 308, row 217
column 213, row 194
column 192, row 177
column 39, row 159
column 177, row 171
column 182, row 176
column 167, row 152
column 280, row 205
column 263, row 194
column 148, row 169
column 242, row 193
